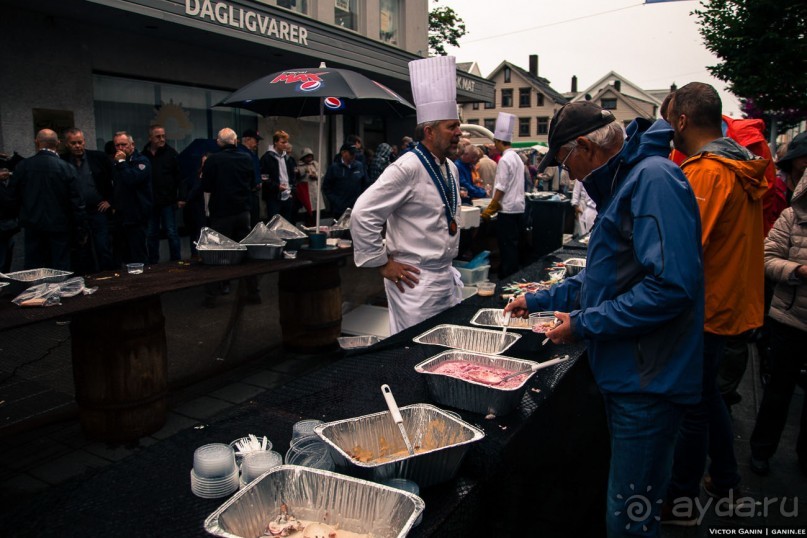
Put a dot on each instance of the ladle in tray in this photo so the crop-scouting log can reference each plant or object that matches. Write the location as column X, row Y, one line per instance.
column 396, row 416
column 532, row 369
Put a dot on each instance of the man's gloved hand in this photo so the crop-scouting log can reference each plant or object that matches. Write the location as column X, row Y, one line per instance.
column 492, row 208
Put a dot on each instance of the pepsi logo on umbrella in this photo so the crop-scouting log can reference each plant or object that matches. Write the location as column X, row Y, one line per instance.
column 334, row 103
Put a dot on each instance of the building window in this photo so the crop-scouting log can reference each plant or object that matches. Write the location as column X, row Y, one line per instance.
column 346, row 14
column 475, row 106
column 474, row 121
column 300, row 6
column 523, row 126
column 543, row 125
column 507, row 98
column 524, row 98
column 490, row 124
column 388, row 23
column 540, row 99
column 507, row 74
column 185, row 111
column 608, row 104
column 492, row 104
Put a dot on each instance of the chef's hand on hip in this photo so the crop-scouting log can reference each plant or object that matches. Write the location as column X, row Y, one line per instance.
column 400, row 274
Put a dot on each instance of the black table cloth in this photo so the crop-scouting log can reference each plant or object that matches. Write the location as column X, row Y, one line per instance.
column 541, row 470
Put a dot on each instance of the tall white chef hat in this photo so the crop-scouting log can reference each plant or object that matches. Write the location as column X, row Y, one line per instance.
column 505, row 124
column 434, row 87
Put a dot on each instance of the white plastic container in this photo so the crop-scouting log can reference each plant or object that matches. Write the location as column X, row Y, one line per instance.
column 469, row 216
column 471, row 277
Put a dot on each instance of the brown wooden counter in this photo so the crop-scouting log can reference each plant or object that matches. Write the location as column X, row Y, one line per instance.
column 118, row 335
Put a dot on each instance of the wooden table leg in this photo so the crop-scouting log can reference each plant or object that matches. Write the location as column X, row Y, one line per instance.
column 311, row 308
column 120, row 370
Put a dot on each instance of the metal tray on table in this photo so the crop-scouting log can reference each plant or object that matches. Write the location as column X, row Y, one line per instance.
column 371, row 446
column 470, row 395
column 317, row 496
column 468, row 338
column 494, row 317
column 218, row 256
column 22, row 280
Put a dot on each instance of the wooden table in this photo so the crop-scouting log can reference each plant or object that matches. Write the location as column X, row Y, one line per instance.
column 118, row 333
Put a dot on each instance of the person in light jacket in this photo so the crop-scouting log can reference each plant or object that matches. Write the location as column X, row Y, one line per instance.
column 786, row 264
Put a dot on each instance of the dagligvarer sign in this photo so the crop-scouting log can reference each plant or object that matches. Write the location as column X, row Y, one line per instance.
column 247, row 19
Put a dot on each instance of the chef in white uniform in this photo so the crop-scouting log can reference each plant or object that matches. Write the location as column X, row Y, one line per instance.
column 417, row 197
column 508, row 196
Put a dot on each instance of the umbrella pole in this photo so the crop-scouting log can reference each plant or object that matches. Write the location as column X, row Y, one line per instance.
column 319, row 156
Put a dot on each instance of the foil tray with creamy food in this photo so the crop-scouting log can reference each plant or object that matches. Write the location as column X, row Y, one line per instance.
column 371, row 446
column 300, row 502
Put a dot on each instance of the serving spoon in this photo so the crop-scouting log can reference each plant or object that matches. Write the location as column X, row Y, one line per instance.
column 534, row 368
column 396, row 416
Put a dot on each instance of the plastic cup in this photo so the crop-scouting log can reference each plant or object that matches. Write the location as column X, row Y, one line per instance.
column 540, row 321
column 257, row 463
column 314, row 455
column 316, row 241
column 214, row 461
column 239, row 456
column 486, row 289
column 134, row 268
column 304, row 428
column 408, row 486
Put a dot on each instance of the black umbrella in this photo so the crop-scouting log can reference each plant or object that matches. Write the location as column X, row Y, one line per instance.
column 300, row 92
column 316, row 92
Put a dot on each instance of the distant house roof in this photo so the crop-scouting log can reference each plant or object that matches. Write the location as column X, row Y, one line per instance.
column 628, row 89
column 469, row 67
column 539, row 83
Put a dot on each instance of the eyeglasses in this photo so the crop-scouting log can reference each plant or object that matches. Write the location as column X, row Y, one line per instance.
column 563, row 164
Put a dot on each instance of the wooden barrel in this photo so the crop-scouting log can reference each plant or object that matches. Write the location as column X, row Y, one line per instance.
column 120, row 370
column 310, row 308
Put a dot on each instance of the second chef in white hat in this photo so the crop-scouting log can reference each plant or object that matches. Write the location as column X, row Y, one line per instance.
column 417, row 197
column 508, row 195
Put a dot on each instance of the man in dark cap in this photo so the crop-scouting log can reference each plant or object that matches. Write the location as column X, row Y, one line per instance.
column 638, row 304
column 249, row 145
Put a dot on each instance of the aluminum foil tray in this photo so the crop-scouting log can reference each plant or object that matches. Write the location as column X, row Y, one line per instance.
column 311, row 494
column 284, row 228
column 221, row 256
column 468, row 338
column 21, row 280
column 357, row 342
column 444, row 439
column 265, row 251
column 494, row 317
column 470, row 395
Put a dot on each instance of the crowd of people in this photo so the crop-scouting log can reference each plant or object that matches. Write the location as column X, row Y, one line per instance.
column 85, row 210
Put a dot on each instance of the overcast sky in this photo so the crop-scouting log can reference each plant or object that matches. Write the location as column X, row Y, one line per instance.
column 651, row 45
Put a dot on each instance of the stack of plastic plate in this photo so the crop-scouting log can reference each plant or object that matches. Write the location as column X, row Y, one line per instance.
column 214, row 472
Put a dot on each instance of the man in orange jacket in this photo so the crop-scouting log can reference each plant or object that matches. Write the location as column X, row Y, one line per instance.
column 729, row 183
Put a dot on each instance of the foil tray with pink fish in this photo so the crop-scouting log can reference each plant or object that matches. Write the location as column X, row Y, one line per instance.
column 477, row 382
